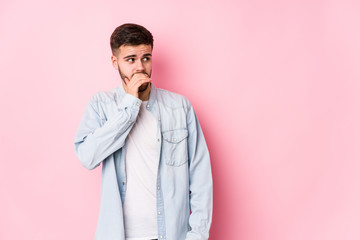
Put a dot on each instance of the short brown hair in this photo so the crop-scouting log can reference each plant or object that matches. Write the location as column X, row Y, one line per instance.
column 130, row 34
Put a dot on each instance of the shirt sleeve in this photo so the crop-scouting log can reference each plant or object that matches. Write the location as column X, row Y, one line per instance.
column 201, row 185
column 98, row 137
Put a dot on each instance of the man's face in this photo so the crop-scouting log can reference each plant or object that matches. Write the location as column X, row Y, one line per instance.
column 131, row 60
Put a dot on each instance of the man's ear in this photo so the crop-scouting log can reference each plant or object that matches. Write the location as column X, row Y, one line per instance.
column 114, row 62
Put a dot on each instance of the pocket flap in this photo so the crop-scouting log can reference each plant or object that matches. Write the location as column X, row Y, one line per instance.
column 175, row 136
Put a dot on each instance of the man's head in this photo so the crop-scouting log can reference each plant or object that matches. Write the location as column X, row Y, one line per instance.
column 131, row 47
column 130, row 34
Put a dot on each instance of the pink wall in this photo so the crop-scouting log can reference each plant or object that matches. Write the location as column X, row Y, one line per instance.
column 275, row 85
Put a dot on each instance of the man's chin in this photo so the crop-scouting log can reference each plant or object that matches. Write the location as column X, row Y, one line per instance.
column 143, row 87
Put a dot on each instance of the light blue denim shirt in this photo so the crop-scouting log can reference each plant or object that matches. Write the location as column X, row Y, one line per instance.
column 184, row 179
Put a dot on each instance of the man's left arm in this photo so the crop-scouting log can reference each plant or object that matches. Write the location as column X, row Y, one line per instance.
column 200, row 182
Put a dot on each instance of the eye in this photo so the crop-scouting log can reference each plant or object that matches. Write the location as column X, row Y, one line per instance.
column 146, row 59
column 130, row 60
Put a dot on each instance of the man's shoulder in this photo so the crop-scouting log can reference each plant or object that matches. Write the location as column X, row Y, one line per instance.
column 172, row 99
column 105, row 96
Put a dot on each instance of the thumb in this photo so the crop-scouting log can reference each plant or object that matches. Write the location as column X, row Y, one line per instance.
column 126, row 80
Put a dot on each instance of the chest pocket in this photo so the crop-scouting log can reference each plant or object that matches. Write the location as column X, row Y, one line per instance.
column 174, row 148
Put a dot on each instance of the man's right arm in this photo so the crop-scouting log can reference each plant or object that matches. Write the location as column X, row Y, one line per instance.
column 97, row 138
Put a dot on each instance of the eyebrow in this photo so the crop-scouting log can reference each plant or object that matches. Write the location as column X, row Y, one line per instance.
column 132, row 56
column 129, row 56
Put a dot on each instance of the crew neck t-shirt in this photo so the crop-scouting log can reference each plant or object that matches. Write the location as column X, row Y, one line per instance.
column 141, row 163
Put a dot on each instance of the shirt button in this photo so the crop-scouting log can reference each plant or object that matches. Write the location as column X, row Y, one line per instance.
column 174, row 140
column 123, row 183
column 137, row 104
column 130, row 122
column 158, row 188
column 148, row 106
column 159, row 119
column 159, row 213
column 161, row 236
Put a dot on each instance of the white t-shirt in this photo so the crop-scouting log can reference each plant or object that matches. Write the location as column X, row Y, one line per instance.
column 142, row 159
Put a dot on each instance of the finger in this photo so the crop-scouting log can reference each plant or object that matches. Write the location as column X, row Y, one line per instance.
column 139, row 83
column 141, row 74
column 135, row 82
column 126, row 80
column 146, row 80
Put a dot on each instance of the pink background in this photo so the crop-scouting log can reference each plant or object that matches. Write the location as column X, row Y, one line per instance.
column 275, row 85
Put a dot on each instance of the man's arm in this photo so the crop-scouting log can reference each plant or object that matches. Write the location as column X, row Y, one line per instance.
column 201, row 188
column 97, row 138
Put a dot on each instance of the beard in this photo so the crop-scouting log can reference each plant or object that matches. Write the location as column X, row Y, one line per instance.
column 143, row 87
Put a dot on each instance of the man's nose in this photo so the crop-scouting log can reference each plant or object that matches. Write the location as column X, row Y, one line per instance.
column 139, row 66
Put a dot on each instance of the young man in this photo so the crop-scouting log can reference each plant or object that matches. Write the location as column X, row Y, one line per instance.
column 156, row 173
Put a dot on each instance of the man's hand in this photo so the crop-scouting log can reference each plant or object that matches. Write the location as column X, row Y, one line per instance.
column 132, row 86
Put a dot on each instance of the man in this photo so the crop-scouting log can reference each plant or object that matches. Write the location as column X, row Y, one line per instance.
column 156, row 174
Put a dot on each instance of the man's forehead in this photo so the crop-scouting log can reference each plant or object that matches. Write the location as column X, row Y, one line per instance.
column 135, row 49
